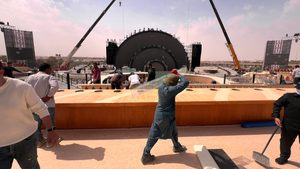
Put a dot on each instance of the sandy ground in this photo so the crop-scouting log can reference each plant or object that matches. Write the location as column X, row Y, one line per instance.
column 122, row 148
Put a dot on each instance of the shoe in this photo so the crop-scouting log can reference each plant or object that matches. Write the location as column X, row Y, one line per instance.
column 147, row 158
column 281, row 160
column 179, row 149
column 41, row 143
column 60, row 139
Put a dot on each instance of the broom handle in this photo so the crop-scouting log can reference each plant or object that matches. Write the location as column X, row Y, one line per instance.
column 270, row 139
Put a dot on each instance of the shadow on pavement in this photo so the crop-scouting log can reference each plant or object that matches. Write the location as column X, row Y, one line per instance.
column 187, row 159
column 78, row 152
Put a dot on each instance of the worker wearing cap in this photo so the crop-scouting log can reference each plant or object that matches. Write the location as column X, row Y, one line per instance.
column 164, row 123
column 290, row 125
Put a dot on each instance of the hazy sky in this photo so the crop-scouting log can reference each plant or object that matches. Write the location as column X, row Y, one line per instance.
column 58, row 25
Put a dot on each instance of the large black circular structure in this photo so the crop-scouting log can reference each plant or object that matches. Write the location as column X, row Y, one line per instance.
column 159, row 48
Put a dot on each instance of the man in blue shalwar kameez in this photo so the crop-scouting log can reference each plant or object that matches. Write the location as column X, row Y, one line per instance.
column 164, row 123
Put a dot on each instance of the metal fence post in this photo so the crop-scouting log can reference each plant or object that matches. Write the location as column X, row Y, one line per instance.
column 68, row 80
column 253, row 78
column 86, row 78
column 280, row 80
column 224, row 79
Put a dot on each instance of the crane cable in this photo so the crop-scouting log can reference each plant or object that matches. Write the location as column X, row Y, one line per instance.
column 123, row 20
column 188, row 24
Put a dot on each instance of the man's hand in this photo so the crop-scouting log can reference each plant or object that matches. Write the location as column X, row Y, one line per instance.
column 46, row 98
column 278, row 122
column 52, row 139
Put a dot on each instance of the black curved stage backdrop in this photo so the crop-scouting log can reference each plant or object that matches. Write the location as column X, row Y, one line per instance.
column 159, row 48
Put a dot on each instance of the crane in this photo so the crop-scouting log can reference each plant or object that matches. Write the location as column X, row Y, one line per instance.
column 67, row 61
column 229, row 45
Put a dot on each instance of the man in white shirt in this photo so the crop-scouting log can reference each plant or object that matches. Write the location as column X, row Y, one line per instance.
column 45, row 86
column 17, row 127
column 134, row 80
column 296, row 74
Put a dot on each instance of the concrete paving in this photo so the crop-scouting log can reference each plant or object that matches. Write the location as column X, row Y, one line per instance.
column 122, row 148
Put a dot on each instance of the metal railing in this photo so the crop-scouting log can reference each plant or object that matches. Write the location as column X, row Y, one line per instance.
column 73, row 79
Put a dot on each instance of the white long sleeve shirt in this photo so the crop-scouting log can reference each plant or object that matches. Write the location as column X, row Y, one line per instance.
column 296, row 73
column 17, row 102
column 44, row 85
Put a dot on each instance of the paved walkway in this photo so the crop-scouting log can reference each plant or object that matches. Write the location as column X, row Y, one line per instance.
column 122, row 148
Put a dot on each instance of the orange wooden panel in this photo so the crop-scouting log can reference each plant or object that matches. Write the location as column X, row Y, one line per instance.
column 130, row 108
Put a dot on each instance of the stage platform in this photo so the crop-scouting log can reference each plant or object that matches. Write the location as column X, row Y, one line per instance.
column 78, row 109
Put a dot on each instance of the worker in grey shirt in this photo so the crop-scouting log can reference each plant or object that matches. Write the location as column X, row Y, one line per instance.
column 45, row 86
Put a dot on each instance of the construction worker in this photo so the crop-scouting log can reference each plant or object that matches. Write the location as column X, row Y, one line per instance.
column 164, row 123
column 17, row 127
column 290, row 125
column 9, row 69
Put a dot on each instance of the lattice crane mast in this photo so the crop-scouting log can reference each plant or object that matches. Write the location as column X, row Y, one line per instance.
column 229, row 45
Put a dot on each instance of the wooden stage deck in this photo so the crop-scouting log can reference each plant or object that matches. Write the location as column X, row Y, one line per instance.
column 133, row 108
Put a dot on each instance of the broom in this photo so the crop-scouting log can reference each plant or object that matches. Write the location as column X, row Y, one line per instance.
column 260, row 157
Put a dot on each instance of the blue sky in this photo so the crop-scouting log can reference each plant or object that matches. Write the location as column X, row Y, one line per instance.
column 58, row 25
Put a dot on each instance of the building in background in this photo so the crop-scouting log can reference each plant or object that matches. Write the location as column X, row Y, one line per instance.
column 277, row 54
column 19, row 47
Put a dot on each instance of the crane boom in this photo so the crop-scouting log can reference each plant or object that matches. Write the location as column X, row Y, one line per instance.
column 229, row 44
column 66, row 63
